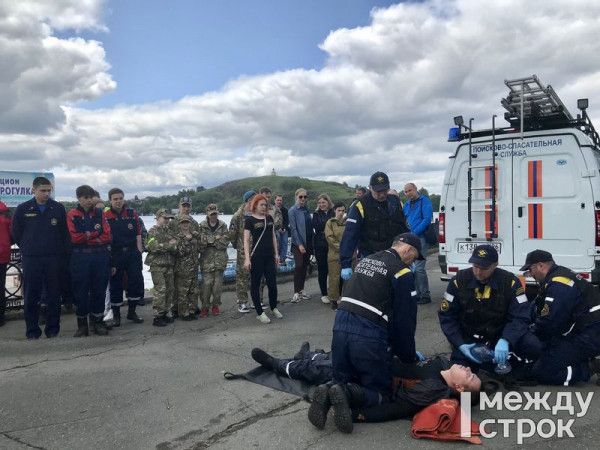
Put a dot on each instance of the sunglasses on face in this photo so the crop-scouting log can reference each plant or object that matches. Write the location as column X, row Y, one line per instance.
column 302, row 196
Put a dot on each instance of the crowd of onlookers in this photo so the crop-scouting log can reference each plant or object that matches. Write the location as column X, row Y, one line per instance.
column 92, row 256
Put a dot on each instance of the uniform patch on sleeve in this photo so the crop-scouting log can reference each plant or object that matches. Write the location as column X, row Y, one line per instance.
column 444, row 306
column 545, row 310
column 360, row 209
column 522, row 298
column 351, row 220
column 519, row 291
column 413, row 294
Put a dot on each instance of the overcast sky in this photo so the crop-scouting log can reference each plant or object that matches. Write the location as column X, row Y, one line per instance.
column 155, row 96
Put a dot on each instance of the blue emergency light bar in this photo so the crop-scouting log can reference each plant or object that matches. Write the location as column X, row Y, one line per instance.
column 454, row 134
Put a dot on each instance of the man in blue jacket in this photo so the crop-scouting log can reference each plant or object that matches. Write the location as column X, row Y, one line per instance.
column 40, row 231
column 373, row 222
column 419, row 212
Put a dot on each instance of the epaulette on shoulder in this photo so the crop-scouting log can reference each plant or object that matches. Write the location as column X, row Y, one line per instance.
column 564, row 280
column 401, row 272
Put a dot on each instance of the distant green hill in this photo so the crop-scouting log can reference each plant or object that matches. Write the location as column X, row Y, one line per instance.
column 228, row 196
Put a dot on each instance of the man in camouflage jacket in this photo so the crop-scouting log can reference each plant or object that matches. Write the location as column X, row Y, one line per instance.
column 214, row 240
column 161, row 246
column 186, row 270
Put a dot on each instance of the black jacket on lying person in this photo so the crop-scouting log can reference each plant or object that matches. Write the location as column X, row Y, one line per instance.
column 415, row 387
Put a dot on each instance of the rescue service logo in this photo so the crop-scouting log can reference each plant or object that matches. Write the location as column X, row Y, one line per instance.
column 482, row 253
column 97, row 226
column 523, row 428
column 53, row 222
column 445, row 306
column 130, row 226
column 380, row 179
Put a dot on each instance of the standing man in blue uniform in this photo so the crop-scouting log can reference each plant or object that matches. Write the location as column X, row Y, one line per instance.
column 90, row 263
column 40, row 231
column 378, row 308
column 486, row 305
column 373, row 222
column 419, row 213
column 126, row 252
column 567, row 322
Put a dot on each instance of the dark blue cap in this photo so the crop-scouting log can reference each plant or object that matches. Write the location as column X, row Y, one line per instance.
column 413, row 240
column 484, row 255
column 536, row 256
column 248, row 195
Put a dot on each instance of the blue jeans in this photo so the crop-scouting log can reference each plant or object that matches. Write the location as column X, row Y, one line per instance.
column 421, row 282
column 282, row 244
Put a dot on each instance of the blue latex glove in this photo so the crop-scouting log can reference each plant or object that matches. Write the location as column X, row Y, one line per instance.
column 466, row 350
column 346, row 273
column 420, row 356
column 501, row 351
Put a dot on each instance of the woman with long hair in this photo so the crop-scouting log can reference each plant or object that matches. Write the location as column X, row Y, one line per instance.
column 302, row 240
column 261, row 259
column 322, row 214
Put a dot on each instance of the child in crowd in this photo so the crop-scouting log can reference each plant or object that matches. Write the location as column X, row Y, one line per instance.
column 186, row 270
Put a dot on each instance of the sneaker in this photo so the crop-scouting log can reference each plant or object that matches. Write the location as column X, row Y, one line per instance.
column 342, row 414
column 243, row 308
column 261, row 304
column 304, row 295
column 325, row 299
column 319, row 407
column 296, row 298
column 263, row 318
column 204, row 312
column 216, row 311
column 276, row 313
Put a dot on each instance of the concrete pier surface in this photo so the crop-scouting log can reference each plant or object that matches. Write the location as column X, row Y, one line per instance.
column 144, row 387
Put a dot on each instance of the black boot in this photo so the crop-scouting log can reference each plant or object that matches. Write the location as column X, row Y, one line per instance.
column 82, row 327
column 304, row 349
column 356, row 395
column 159, row 321
column 319, row 407
column 264, row 359
column 116, row 316
column 98, row 326
column 131, row 315
column 342, row 414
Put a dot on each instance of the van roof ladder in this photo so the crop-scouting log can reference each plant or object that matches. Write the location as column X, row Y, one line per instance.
column 531, row 105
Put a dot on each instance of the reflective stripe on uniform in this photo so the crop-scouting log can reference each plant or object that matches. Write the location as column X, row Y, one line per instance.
column 365, row 306
column 595, row 308
column 564, row 280
column 549, row 299
column 351, row 220
column 448, row 296
column 287, row 369
column 413, row 294
column 569, row 375
column 522, row 298
column 401, row 272
column 360, row 209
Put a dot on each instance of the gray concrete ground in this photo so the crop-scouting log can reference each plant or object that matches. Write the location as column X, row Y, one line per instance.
column 144, row 387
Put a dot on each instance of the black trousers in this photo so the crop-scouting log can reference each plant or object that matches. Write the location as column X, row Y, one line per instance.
column 322, row 267
column 263, row 265
column 3, row 268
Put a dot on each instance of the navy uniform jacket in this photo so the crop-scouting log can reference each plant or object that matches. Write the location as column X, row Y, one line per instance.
column 556, row 315
column 517, row 319
column 124, row 227
column 41, row 234
column 351, row 236
column 402, row 313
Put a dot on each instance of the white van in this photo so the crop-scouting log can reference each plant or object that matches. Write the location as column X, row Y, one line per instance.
column 546, row 183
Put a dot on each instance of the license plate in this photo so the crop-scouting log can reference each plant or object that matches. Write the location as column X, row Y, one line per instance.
column 468, row 247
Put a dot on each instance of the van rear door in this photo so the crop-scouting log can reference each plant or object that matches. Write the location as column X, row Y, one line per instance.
column 553, row 200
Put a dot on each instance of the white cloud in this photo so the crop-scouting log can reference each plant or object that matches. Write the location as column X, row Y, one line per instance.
column 384, row 100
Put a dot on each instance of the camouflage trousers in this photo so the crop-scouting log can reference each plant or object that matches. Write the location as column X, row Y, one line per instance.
column 187, row 296
column 175, row 296
column 163, row 290
column 242, row 281
column 212, row 286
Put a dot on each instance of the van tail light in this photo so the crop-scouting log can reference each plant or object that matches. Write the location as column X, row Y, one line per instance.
column 452, row 269
column 442, row 228
column 597, row 228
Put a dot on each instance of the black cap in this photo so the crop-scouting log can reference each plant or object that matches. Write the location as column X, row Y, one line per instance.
column 413, row 240
column 379, row 182
column 536, row 256
column 484, row 255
